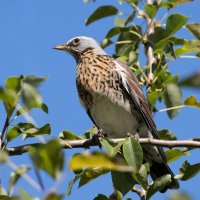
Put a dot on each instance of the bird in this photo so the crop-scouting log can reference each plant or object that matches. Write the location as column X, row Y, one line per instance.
column 114, row 101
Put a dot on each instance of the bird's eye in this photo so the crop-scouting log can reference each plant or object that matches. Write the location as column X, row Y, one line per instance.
column 76, row 41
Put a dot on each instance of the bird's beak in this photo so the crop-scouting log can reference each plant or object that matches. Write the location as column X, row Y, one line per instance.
column 63, row 47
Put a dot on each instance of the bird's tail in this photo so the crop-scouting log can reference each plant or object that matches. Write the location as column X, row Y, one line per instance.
column 159, row 169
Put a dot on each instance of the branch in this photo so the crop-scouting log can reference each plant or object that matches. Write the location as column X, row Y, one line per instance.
column 90, row 142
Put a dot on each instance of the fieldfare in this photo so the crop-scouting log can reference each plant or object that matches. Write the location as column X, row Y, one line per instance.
column 113, row 99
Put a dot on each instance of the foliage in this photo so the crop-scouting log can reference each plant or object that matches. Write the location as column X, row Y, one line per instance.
column 123, row 160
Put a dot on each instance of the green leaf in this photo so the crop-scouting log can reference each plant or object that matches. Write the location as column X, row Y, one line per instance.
column 194, row 28
column 158, row 185
column 172, row 98
column 5, row 197
column 188, row 171
column 10, row 99
column 192, row 101
column 141, row 177
column 72, row 182
column 31, row 130
column 132, row 37
column 165, row 134
column 44, row 107
column 3, row 157
column 133, row 154
column 114, row 31
column 112, row 148
column 90, row 174
column 33, row 80
column 68, row 135
column 101, row 12
column 153, row 97
column 120, row 22
column 96, row 159
column 30, row 96
column 180, row 196
column 25, row 196
column 174, row 23
column 89, row 133
column 123, row 181
column 169, row 51
column 150, row 10
column 12, row 133
column 13, row 83
column 174, row 154
column 191, row 81
column 15, row 176
column 53, row 196
column 189, row 46
column 49, row 157
column 101, row 197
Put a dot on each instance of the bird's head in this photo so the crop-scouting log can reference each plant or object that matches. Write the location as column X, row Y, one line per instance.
column 80, row 44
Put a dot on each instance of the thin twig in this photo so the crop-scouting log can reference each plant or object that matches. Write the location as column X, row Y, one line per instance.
column 6, row 124
column 90, row 142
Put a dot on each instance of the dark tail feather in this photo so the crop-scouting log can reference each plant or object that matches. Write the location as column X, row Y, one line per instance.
column 159, row 169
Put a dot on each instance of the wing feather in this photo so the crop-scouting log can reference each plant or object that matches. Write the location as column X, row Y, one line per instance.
column 133, row 89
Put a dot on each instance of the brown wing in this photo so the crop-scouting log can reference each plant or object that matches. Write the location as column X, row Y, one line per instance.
column 132, row 87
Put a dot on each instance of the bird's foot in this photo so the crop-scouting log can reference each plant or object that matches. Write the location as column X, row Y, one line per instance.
column 99, row 136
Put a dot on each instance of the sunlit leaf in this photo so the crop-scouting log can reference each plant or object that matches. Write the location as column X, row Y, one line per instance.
column 158, row 185
column 15, row 176
column 90, row 174
column 192, row 101
column 14, row 83
column 153, row 97
column 68, row 135
column 120, row 22
column 96, row 159
column 188, row 47
column 187, row 171
column 12, row 133
column 53, row 196
column 194, row 29
column 5, row 197
column 172, row 98
column 10, row 99
column 101, row 12
column 179, row 196
column 133, row 154
column 25, row 196
column 3, row 157
column 174, row 154
column 49, row 157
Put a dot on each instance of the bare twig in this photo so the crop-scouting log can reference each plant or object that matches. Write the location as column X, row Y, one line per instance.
column 90, row 142
column 6, row 124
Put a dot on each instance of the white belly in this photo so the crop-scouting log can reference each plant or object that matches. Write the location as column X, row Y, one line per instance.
column 113, row 119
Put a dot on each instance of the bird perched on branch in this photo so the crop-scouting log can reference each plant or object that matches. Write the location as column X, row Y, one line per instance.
column 113, row 99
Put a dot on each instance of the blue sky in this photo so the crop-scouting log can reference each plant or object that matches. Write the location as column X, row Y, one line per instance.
column 29, row 30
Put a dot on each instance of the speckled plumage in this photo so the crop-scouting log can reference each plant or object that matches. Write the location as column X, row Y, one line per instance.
column 113, row 99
